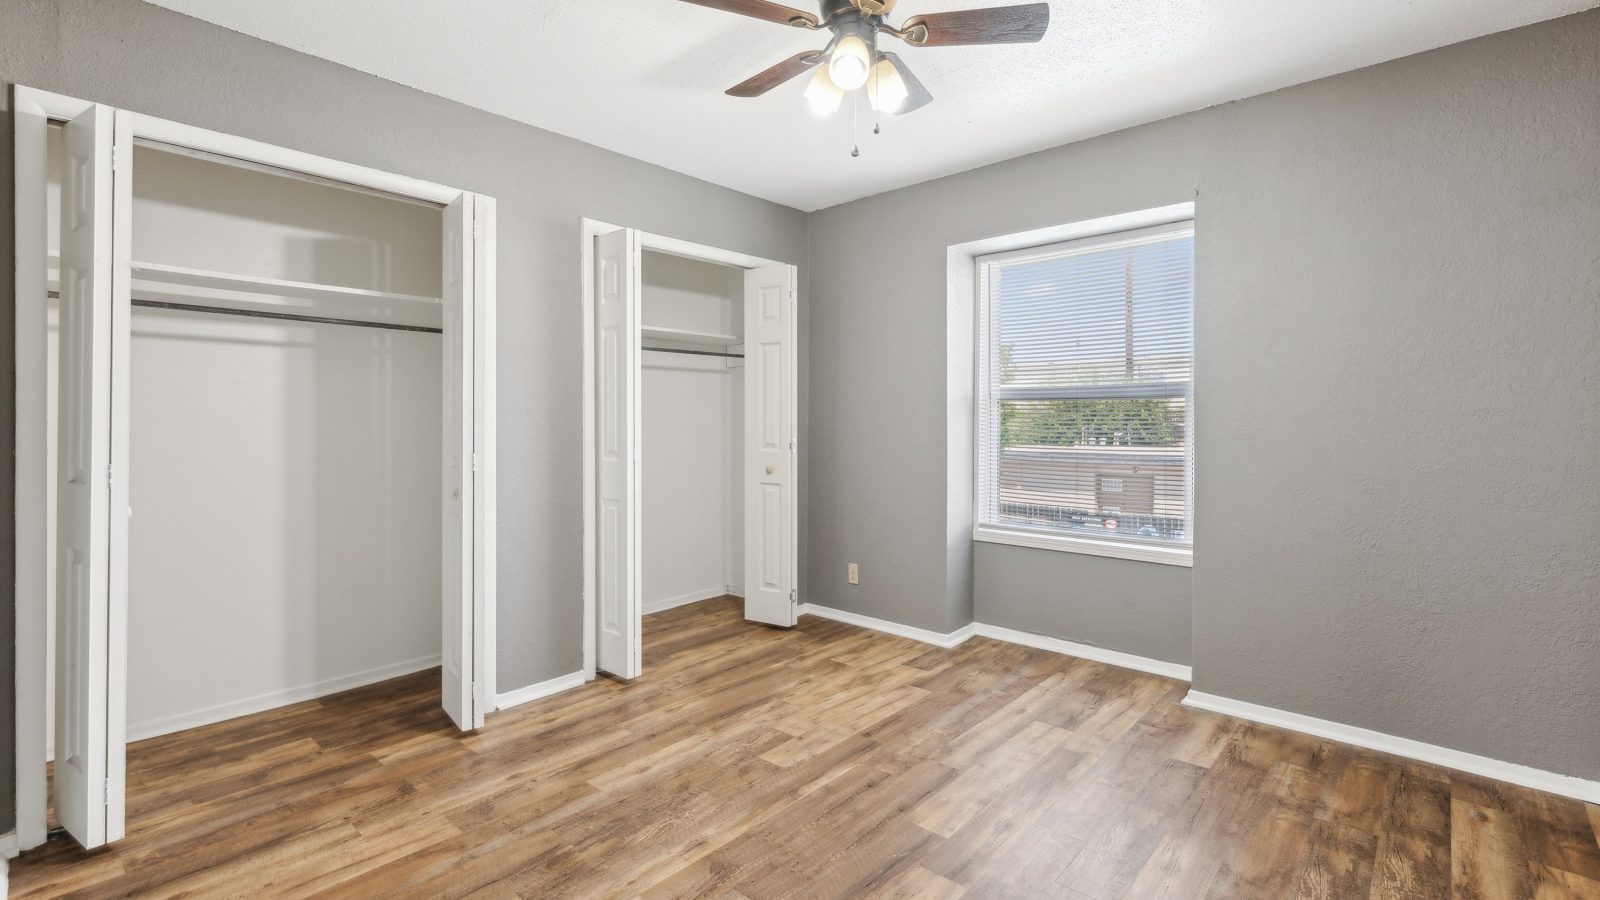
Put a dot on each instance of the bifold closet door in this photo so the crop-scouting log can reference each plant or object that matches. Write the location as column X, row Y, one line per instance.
column 619, row 286
column 92, row 503
column 462, row 656
column 770, row 511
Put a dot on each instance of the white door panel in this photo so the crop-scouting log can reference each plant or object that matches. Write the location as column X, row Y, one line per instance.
column 456, row 654
column 770, row 522
column 617, row 377
column 91, row 495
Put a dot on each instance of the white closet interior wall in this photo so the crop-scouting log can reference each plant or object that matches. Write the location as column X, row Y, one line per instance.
column 285, row 541
column 692, row 423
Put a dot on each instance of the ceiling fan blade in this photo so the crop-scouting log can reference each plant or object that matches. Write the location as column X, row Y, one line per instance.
column 917, row 96
column 761, row 9
column 998, row 25
column 768, row 79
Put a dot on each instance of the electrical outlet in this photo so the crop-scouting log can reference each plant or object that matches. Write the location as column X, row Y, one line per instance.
column 855, row 574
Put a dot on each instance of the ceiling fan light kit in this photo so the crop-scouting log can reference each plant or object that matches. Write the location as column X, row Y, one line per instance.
column 852, row 60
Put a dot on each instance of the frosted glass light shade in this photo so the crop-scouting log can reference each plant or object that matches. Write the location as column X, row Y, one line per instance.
column 886, row 90
column 850, row 63
column 823, row 95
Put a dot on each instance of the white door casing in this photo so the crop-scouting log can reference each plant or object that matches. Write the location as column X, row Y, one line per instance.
column 92, row 555
column 457, row 663
column 121, row 480
column 770, row 518
column 619, row 623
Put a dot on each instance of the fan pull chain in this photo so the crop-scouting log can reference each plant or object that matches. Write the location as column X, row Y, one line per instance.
column 875, row 117
column 855, row 124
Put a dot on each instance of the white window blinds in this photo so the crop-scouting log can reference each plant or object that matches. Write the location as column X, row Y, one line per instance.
column 1085, row 393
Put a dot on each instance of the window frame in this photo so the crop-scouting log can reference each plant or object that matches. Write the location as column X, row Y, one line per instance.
column 986, row 406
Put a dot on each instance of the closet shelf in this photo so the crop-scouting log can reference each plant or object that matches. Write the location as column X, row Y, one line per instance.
column 276, row 287
column 690, row 337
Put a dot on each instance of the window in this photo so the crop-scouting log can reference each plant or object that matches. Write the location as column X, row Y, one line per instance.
column 1085, row 395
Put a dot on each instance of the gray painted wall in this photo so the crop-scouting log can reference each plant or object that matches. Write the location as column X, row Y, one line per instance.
column 153, row 61
column 1397, row 399
column 1398, row 292
column 1135, row 607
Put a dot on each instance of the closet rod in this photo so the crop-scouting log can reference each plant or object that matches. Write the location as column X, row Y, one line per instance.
column 263, row 314
column 291, row 317
column 693, row 352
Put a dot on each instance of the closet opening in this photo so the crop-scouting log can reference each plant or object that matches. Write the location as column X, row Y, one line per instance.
column 284, row 394
column 256, row 423
column 690, row 437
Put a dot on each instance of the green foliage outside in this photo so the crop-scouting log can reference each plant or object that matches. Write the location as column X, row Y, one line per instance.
column 1143, row 422
column 1137, row 422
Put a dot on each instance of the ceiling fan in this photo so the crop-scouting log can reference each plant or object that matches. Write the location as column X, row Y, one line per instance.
column 852, row 55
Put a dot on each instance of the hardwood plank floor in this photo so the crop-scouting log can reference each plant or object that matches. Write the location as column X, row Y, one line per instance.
column 826, row 761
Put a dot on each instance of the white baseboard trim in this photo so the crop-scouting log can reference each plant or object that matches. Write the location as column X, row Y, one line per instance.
column 1009, row 635
column 1526, row 776
column 1087, row 651
column 655, row 606
column 222, row 712
column 539, row 691
column 887, row 627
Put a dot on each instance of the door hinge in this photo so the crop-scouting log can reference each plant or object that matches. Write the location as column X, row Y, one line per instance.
column 111, row 474
column 793, row 445
column 474, row 462
column 791, row 295
column 794, row 595
column 105, row 793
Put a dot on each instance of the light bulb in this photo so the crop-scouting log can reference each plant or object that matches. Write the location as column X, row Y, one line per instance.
column 849, row 64
column 823, row 95
column 886, row 90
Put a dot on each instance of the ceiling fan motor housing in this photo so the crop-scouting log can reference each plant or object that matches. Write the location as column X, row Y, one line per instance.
column 843, row 19
column 838, row 11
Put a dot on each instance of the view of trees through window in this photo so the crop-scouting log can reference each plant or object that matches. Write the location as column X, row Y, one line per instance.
column 1138, row 422
column 1141, row 421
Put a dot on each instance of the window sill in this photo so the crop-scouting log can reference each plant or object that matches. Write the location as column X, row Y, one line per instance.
column 1170, row 556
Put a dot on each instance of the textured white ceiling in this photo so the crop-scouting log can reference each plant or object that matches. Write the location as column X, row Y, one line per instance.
column 645, row 77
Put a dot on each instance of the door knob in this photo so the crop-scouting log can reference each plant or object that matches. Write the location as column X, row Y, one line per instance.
column 769, row 470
